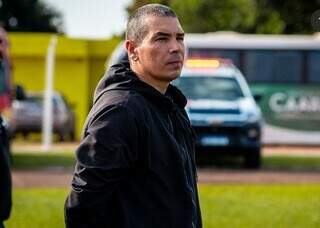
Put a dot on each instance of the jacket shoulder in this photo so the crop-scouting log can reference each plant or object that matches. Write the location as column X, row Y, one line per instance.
column 131, row 101
column 128, row 99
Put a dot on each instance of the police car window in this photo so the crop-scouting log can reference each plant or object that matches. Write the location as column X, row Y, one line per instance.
column 204, row 87
column 37, row 100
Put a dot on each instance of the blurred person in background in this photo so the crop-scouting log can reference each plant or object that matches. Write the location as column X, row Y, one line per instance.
column 5, row 73
column 136, row 161
column 5, row 175
column 5, row 100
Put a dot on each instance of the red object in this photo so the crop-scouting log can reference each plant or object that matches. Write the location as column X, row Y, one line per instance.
column 5, row 92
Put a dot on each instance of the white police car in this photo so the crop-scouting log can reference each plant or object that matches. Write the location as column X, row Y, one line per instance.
column 221, row 108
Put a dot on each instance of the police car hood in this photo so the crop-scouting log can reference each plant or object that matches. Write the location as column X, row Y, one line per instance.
column 240, row 105
column 233, row 111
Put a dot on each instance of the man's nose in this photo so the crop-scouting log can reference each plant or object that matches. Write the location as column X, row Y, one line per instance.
column 175, row 46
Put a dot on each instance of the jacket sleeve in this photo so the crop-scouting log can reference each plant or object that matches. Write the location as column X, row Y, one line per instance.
column 105, row 159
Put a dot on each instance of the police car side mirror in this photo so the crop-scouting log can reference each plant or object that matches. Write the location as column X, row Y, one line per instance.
column 257, row 97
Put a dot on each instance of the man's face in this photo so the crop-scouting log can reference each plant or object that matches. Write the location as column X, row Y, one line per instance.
column 160, row 54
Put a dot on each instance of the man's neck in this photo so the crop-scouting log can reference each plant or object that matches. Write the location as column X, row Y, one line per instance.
column 161, row 86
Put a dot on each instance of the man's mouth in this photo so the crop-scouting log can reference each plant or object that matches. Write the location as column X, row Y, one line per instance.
column 174, row 62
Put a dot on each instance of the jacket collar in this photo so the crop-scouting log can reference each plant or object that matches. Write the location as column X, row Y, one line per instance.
column 121, row 77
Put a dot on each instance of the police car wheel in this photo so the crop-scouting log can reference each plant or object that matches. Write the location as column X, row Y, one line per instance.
column 253, row 159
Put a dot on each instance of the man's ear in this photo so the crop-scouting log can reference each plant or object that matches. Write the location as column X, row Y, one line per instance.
column 131, row 50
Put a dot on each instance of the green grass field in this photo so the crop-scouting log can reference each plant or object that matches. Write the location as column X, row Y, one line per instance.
column 222, row 206
column 24, row 160
column 261, row 206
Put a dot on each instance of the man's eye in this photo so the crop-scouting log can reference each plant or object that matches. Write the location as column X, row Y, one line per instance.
column 180, row 38
column 161, row 38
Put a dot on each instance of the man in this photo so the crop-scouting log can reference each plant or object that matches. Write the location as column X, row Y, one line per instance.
column 5, row 175
column 135, row 164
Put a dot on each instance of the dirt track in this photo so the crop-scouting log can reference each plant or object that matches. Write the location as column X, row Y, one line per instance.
column 41, row 178
column 62, row 178
column 27, row 146
column 257, row 177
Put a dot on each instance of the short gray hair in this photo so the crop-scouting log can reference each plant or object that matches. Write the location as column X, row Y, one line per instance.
column 136, row 26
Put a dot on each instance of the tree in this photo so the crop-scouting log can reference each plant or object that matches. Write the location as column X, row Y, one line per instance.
column 216, row 15
column 268, row 20
column 29, row 16
column 245, row 16
column 137, row 3
column 201, row 16
column 296, row 14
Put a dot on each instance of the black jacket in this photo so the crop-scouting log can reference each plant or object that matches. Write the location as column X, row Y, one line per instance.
column 135, row 164
column 5, row 175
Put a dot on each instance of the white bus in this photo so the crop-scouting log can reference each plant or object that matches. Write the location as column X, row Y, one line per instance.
column 284, row 69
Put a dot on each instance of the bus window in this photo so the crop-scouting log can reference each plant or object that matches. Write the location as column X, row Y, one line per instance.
column 273, row 66
column 314, row 66
column 257, row 66
column 287, row 66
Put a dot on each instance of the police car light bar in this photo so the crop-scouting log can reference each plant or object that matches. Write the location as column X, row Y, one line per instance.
column 203, row 63
column 207, row 63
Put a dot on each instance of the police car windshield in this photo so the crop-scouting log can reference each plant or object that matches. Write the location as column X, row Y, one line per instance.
column 38, row 100
column 206, row 87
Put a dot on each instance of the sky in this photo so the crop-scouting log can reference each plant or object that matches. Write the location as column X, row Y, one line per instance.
column 96, row 19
